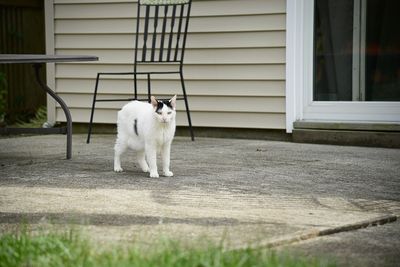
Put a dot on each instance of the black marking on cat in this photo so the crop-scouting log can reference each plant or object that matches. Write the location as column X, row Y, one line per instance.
column 167, row 103
column 135, row 127
column 160, row 105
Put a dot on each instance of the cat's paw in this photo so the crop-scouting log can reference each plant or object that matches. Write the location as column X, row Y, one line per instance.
column 118, row 169
column 168, row 174
column 154, row 175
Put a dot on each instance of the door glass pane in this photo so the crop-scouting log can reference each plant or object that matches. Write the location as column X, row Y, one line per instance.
column 333, row 47
column 356, row 50
column 383, row 51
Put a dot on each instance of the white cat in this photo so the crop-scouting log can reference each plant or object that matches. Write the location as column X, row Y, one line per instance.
column 147, row 128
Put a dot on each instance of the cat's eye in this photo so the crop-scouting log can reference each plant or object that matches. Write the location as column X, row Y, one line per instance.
column 159, row 112
column 170, row 112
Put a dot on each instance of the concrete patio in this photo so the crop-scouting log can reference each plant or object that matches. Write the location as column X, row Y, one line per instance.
column 246, row 192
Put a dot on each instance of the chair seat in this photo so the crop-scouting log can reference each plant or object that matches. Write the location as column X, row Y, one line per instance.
column 163, row 2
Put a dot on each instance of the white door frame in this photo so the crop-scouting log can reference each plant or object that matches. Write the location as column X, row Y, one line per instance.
column 50, row 67
column 299, row 78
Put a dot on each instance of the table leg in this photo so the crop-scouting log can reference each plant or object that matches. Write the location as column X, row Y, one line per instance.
column 63, row 106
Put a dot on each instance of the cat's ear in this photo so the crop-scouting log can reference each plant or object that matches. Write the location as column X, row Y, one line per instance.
column 173, row 102
column 154, row 102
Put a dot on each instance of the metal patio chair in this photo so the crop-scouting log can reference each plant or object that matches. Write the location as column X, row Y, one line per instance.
column 161, row 31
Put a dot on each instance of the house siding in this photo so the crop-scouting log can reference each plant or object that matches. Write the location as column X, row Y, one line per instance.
column 234, row 61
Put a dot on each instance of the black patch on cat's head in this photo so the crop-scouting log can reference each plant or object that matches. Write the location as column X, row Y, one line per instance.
column 168, row 103
column 161, row 103
column 159, row 106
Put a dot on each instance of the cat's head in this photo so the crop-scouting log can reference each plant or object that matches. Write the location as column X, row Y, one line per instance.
column 164, row 111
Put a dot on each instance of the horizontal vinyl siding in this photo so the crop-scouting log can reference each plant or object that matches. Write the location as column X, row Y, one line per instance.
column 197, row 103
column 121, row 87
column 209, row 119
column 202, row 8
column 234, row 61
column 195, row 40
column 197, row 25
column 192, row 72
column 270, row 55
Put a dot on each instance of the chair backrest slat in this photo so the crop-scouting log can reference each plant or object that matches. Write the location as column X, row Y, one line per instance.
column 178, row 35
column 186, row 31
column 161, row 32
column 146, row 31
column 153, row 47
column 164, row 27
column 171, row 33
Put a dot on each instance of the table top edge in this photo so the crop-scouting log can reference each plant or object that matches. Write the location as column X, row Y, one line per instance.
column 44, row 58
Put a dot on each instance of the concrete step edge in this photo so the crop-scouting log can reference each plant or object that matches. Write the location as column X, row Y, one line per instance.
column 314, row 233
column 351, row 126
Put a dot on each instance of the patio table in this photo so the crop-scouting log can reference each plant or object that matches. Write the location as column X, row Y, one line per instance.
column 37, row 61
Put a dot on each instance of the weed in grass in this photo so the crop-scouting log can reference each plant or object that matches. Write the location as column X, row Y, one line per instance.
column 71, row 249
column 35, row 122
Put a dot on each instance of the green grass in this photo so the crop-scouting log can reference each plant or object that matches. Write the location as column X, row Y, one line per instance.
column 71, row 249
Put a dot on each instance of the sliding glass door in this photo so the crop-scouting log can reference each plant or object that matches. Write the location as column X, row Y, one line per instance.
column 356, row 50
column 343, row 60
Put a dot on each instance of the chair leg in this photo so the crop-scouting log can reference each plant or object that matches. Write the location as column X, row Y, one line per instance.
column 187, row 106
column 93, row 107
column 148, row 88
column 135, row 83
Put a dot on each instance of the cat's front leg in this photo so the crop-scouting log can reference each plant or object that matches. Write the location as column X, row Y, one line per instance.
column 151, row 156
column 166, row 156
